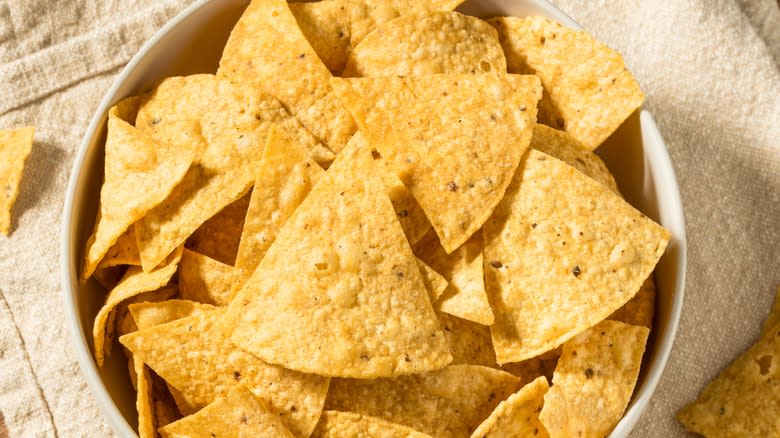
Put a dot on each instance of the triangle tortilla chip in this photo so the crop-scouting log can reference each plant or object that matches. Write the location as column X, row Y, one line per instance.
column 454, row 140
column 465, row 296
column 566, row 148
column 339, row 292
column 744, row 400
column 433, row 281
column 562, row 252
column 194, row 356
column 143, row 402
column 517, row 416
column 449, row 402
column 148, row 315
column 140, row 172
column 335, row 27
column 335, row 424
column 15, row 146
column 594, row 380
column 428, row 43
column 239, row 414
column 588, row 91
column 286, row 176
column 135, row 282
column 206, row 280
column 267, row 50
column 123, row 252
column 469, row 342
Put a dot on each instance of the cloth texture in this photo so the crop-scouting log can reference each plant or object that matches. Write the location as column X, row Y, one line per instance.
column 711, row 72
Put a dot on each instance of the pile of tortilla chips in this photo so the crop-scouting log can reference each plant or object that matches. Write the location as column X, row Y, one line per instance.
column 376, row 219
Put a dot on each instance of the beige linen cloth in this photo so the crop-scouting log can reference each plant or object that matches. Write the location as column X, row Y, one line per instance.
column 710, row 71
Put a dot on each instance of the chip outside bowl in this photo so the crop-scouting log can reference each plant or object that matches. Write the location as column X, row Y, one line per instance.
column 191, row 43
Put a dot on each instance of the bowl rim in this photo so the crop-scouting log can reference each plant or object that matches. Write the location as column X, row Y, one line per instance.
column 69, row 266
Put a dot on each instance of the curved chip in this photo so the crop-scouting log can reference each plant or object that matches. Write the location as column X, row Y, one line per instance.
column 588, row 91
column 15, row 146
column 562, row 252
column 594, row 380
column 423, row 44
column 517, row 416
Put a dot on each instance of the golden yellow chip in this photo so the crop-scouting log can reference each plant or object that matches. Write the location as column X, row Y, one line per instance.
column 409, row 212
column 640, row 309
column 594, row 380
column 469, row 342
column 239, row 414
column 193, row 355
column 562, row 252
column 744, row 400
column 425, row 44
column 143, row 402
column 433, row 281
column 152, row 314
column 335, row 424
column 465, row 296
column 140, row 172
column 566, row 148
column 206, row 280
column 448, row 402
column 454, row 140
column 588, row 91
column 530, row 369
column 267, row 50
column 220, row 236
column 774, row 315
column 286, row 176
column 134, row 282
column 517, row 416
column 15, row 146
column 335, row 27
column 124, row 251
column 339, row 292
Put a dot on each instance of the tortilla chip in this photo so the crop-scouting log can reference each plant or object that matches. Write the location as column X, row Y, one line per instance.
column 228, row 125
column 562, row 252
column 566, row 148
column 410, row 214
column 433, row 281
column 124, row 251
column 465, row 296
column 588, row 91
column 424, row 44
column 285, row 177
column 594, row 380
column 267, row 50
column 448, row 402
column 146, row 315
column 774, row 315
column 640, row 309
column 143, row 401
column 457, row 159
column 517, row 416
column 220, row 236
column 140, row 172
column 339, row 292
column 15, row 146
column 335, row 27
column 239, row 414
column 335, row 424
column 206, row 280
column 469, row 342
column 134, row 283
column 193, row 355
column 744, row 400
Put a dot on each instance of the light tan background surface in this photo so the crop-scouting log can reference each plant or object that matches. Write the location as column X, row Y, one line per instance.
column 711, row 72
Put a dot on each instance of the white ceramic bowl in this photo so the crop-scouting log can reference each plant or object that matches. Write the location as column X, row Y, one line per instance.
column 192, row 43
